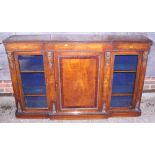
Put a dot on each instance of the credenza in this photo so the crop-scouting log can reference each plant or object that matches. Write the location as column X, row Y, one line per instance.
column 77, row 76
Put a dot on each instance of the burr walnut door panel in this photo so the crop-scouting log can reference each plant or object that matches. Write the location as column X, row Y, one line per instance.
column 78, row 78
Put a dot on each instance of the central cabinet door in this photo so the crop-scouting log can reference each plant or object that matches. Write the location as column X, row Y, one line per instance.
column 78, row 81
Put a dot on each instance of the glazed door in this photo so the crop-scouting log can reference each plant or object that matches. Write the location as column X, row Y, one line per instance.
column 125, row 76
column 78, row 81
column 32, row 81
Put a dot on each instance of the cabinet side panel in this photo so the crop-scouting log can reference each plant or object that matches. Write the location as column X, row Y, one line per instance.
column 13, row 73
column 144, row 58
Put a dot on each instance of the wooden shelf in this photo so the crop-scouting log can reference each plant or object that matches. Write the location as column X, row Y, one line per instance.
column 122, row 94
column 124, row 71
column 32, row 71
column 34, row 94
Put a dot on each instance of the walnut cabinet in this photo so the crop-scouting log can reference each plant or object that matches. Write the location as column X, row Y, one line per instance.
column 75, row 76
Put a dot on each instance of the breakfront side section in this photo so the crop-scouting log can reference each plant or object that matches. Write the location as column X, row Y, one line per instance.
column 79, row 76
column 127, row 77
column 11, row 60
column 31, row 75
column 124, row 75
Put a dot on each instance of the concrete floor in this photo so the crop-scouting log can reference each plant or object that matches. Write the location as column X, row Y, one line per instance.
column 7, row 113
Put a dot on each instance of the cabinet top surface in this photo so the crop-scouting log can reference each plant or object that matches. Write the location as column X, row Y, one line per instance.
column 77, row 38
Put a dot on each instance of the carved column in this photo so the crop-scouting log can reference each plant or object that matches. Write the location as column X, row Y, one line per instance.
column 50, row 59
column 107, row 73
column 10, row 58
column 54, row 108
column 52, row 83
column 141, row 80
column 13, row 77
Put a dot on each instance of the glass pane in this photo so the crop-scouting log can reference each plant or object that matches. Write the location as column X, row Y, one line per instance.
column 123, row 82
column 126, row 62
column 31, row 63
column 33, row 83
column 36, row 101
column 121, row 101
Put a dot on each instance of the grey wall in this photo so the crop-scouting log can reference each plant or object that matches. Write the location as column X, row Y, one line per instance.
column 4, row 69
